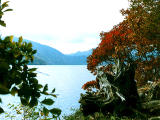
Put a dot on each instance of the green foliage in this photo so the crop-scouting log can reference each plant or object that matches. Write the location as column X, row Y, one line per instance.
column 55, row 112
column 3, row 8
column 34, row 113
column 16, row 76
column 1, row 110
column 78, row 115
column 20, row 111
column 47, row 101
column 45, row 111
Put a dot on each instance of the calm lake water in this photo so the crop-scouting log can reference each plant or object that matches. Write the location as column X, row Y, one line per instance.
column 67, row 79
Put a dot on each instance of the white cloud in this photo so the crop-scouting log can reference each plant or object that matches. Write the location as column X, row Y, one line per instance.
column 63, row 20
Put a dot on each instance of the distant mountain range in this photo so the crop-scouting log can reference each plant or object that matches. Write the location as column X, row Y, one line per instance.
column 84, row 53
column 49, row 56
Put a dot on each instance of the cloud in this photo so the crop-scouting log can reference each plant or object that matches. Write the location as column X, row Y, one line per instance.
column 64, row 21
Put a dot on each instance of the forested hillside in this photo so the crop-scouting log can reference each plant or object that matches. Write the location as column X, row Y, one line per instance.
column 49, row 56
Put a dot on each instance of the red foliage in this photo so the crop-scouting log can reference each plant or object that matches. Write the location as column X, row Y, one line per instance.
column 111, row 46
column 91, row 84
column 140, row 32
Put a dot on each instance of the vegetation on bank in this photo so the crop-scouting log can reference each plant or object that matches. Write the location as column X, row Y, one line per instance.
column 78, row 115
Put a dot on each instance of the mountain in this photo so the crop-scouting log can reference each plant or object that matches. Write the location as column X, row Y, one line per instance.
column 84, row 53
column 49, row 56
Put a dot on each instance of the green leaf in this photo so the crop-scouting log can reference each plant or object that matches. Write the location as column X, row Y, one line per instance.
column 32, row 69
column 1, row 13
column 0, row 100
column 11, row 38
column 33, row 80
column 4, row 90
column 29, row 45
column 24, row 101
column 18, row 112
column 20, row 39
column 45, row 88
column 45, row 111
column 40, row 86
column 45, row 93
column 32, row 58
column 47, row 101
column 53, row 95
column 2, row 23
column 33, row 102
column 8, row 10
column 1, row 110
column 7, row 39
column 53, row 90
column 4, row 66
column 32, row 74
column 55, row 111
column 34, row 51
column 14, row 91
column 4, row 5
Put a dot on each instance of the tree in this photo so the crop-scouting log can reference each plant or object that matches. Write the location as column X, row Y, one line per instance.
column 135, row 40
column 16, row 77
column 128, row 52
column 143, row 18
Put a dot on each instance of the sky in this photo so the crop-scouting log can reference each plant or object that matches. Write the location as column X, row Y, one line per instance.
column 66, row 25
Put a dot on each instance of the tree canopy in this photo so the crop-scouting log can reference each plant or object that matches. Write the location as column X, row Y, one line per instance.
column 135, row 40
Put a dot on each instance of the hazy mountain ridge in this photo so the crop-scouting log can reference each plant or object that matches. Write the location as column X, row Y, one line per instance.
column 50, row 56
column 84, row 53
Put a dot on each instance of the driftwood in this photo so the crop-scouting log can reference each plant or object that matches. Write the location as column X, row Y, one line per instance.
column 118, row 93
column 154, row 118
column 152, row 106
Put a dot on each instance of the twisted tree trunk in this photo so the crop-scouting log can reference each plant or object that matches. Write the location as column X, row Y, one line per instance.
column 109, row 99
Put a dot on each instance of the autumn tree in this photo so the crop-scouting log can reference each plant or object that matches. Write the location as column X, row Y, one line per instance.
column 136, row 40
column 15, row 75
column 143, row 17
column 129, row 51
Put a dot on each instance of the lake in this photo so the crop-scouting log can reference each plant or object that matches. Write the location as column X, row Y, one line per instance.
column 67, row 79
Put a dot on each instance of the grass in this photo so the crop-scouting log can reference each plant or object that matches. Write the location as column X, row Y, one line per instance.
column 78, row 115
